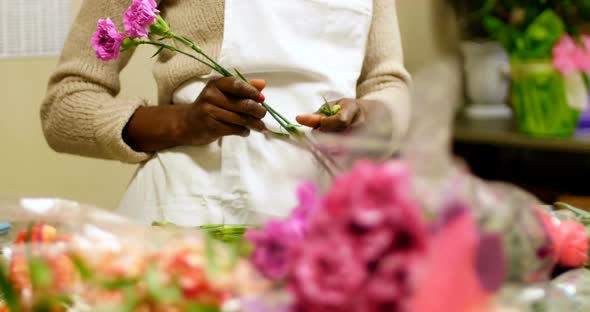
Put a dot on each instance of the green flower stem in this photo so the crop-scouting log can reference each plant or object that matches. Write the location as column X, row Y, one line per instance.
column 291, row 128
column 172, row 48
column 287, row 125
column 200, row 51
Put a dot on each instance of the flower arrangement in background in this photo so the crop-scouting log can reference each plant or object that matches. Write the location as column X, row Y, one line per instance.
column 51, row 271
column 144, row 26
column 550, row 62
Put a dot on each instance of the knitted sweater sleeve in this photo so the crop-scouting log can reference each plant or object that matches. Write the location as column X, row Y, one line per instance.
column 80, row 114
column 384, row 77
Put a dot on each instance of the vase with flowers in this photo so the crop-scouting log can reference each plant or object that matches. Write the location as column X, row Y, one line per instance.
column 550, row 59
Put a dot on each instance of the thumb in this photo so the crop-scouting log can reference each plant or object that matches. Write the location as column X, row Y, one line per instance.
column 310, row 120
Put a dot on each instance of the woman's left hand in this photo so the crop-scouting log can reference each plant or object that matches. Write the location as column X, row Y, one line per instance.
column 350, row 114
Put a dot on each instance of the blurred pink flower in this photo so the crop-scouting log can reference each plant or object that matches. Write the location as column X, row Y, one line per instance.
column 327, row 275
column 393, row 281
column 107, row 40
column 565, row 54
column 449, row 280
column 574, row 245
column 309, row 202
column 551, row 225
column 582, row 55
column 372, row 205
column 368, row 221
column 274, row 244
column 570, row 56
column 139, row 17
column 273, row 247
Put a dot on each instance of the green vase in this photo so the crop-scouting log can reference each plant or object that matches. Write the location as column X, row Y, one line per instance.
column 540, row 101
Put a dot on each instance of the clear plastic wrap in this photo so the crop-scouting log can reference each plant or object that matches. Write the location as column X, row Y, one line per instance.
column 68, row 256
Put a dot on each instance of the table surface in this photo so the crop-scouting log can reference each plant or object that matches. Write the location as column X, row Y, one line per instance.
column 503, row 131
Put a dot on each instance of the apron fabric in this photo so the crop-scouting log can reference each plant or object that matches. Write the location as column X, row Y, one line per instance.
column 305, row 50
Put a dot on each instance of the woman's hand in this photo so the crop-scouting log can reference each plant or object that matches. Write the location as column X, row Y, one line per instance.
column 226, row 106
column 351, row 114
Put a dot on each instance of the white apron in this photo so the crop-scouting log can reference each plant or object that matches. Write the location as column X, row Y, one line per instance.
column 305, row 50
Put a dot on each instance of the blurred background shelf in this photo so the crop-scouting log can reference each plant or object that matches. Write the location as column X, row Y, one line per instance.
column 503, row 132
column 552, row 169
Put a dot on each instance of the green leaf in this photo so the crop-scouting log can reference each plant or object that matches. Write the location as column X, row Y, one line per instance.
column 41, row 275
column 578, row 211
column 158, row 290
column 118, row 284
column 9, row 294
column 158, row 52
column 541, row 36
column 82, row 268
column 197, row 307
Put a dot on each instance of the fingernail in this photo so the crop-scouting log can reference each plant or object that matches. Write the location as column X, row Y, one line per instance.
column 262, row 98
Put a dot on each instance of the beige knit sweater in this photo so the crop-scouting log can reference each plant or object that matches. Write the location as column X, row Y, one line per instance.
column 82, row 115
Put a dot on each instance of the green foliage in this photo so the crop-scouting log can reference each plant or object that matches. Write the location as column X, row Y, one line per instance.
column 535, row 42
column 520, row 14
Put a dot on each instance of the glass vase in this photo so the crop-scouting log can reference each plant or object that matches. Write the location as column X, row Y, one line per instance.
column 540, row 101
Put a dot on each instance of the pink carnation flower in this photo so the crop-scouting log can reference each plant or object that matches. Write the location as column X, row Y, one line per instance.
column 309, row 202
column 139, row 17
column 574, row 246
column 327, row 274
column 570, row 57
column 570, row 240
column 107, row 40
column 273, row 248
column 372, row 204
column 564, row 56
column 369, row 225
column 274, row 244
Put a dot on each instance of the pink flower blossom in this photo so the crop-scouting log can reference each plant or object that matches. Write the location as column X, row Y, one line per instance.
column 274, row 244
column 327, row 274
column 107, row 40
column 551, row 226
column 393, row 281
column 309, row 202
column 570, row 57
column 574, row 245
column 370, row 214
column 372, row 205
column 273, row 248
column 451, row 266
column 564, row 56
column 139, row 17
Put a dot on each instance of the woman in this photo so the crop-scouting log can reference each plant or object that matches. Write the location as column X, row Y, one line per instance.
column 201, row 163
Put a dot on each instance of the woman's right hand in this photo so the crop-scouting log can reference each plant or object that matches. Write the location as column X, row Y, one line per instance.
column 226, row 106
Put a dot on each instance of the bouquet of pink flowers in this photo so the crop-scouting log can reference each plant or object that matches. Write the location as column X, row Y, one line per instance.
column 369, row 244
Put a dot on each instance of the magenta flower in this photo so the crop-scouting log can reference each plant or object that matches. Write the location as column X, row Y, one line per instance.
column 273, row 247
column 327, row 275
column 139, row 17
column 582, row 55
column 570, row 57
column 274, row 244
column 373, row 206
column 309, row 202
column 393, row 281
column 107, row 40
